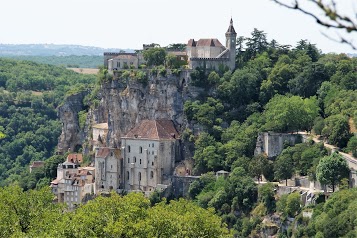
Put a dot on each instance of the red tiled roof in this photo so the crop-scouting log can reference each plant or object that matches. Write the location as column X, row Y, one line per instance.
column 37, row 164
column 75, row 157
column 125, row 57
column 205, row 42
column 154, row 129
column 103, row 152
column 55, row 181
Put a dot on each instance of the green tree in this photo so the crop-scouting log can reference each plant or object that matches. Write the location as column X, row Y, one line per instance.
column 287, row 114
column 155, row 56
column 337, row 130
column 352, row 146
column 266, row 196
column 284, row 168
column 289, row 204
column 258, row 166
column 332, row 169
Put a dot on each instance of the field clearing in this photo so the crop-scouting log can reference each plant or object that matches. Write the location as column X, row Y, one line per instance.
column 353, row 129
column 36, row 93
column 84, row 70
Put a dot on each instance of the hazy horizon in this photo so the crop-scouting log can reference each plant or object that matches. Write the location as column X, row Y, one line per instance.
column 129, row 25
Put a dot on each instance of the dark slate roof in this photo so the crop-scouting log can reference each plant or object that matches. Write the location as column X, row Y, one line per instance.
column 154, row 129
column 231, row 28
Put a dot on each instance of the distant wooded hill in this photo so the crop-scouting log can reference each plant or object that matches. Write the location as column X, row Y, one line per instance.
column 53, row 50
column 71, row 61
column 73, row 56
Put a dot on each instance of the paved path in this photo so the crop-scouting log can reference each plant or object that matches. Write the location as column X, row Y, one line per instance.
column 351, row 161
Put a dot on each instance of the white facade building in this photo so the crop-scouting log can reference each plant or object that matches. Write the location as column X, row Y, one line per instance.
column 149, row 152
column 108, row 167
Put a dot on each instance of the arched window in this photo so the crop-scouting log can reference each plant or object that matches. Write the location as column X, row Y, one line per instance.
column 140, row 150
column 140, row 161
column 139, row 176
column 151, row 174
column 134, row 159
column 128, row 148
column 128, row 175
column 152, row 163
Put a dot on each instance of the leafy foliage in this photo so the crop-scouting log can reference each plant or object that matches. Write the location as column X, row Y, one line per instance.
column 29, row 118
column 155, row 56
column 33, row 214
column 332, row 169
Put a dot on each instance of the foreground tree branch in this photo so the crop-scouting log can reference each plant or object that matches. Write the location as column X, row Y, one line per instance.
column 331, row 19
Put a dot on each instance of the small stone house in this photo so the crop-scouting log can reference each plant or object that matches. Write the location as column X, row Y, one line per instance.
column 73, row 183
column 149, row 152
column 36, row 165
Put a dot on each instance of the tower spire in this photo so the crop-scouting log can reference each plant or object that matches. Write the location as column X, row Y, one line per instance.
column 231, row 28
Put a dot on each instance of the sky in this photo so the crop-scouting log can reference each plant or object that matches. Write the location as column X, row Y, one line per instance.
column 131, row 23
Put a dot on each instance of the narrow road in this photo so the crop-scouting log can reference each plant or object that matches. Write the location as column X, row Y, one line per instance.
column 351, row 161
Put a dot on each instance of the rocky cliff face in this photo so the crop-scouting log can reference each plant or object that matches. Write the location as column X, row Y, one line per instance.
column 124, row 103
column 127, row 104
column 71, row 136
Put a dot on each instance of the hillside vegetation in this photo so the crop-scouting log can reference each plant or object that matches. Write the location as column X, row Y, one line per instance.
column 71, row 61
column 274, row 88
column 29, row 96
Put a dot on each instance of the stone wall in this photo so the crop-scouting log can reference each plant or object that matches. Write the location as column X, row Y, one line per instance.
column 208, row 63
column 272, row 144
column 181, row 184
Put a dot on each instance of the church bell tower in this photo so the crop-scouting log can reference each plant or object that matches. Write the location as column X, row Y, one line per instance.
column 231, row 40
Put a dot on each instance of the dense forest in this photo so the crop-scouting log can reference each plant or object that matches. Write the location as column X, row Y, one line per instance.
column 274, row 88
column 115, row 216
column 71, row 61
column 29, row 95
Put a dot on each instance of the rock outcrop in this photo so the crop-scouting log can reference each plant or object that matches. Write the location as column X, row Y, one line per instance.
column 71, row 136
column 126, row 102
column 162, row 97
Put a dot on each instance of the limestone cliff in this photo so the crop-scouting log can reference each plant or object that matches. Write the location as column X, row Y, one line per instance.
column 71, row 136
column 126, row 102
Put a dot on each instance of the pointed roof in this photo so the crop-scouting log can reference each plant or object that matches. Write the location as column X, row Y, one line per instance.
column 154, row 130
column 231, row 28
column 191, row 42
column 209, row 42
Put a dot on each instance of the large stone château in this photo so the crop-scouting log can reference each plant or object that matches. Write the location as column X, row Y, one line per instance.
column 208, row 53
column 147, row 160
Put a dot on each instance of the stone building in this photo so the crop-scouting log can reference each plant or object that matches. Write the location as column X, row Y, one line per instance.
column 126, row 61
column 36, row 165
column 272, row 143
column 73, row 183
column 149, row 152
column 108, row 167
column 99, row 135
column 210, row 53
